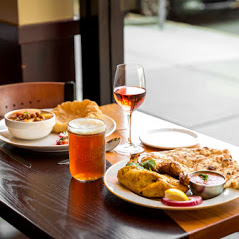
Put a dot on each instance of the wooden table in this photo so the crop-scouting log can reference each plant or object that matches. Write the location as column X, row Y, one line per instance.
column 44, row 201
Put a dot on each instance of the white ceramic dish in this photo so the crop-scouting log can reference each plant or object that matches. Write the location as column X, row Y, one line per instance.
column 29, row 130
column 112, row 184
column 169, row 138
column 48, row 143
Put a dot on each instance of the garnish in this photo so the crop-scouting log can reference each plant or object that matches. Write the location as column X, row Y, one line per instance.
column 148, row 165
column 175, row 195
column 135, row 164
column 25, row 112
column 203, row 176
column 63, row 138
column 193, row 201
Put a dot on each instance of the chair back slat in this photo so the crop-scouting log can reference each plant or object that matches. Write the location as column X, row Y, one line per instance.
column 31, row 95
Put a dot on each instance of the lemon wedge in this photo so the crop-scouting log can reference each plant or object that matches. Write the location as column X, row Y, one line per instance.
column 176, row 195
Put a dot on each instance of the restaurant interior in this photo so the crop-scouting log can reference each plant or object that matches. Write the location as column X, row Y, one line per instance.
column 59, row 51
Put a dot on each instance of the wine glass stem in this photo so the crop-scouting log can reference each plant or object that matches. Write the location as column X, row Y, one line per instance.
column 129, row 120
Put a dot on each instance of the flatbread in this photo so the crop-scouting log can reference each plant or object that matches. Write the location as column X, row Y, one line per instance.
column 70, row 110
column 199, row 159
column 194, row 159
column 172, row 170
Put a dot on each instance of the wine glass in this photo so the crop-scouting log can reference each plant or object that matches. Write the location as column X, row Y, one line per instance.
column 129, row 92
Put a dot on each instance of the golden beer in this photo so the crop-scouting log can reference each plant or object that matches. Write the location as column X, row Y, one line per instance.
column 86, row 148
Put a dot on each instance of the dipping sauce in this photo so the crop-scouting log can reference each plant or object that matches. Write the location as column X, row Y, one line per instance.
column 207, row 184
column 207, row 178
column 30, row 115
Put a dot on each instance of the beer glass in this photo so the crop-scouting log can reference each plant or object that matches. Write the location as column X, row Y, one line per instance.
column 86, row 148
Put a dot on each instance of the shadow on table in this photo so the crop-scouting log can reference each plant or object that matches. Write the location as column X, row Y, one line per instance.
column 95, row 212
column 7, row 231
column 141, row 219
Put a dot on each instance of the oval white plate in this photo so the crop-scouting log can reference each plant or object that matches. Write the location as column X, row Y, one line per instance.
column 113, row 185
column 169, row 138
column 48, row 143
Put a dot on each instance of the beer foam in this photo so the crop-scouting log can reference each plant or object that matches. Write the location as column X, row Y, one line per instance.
column 86, row 126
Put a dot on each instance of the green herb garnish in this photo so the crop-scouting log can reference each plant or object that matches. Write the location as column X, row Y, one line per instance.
column 135, row 164
column 203, row 176
column 148, row 165
column 25, row 112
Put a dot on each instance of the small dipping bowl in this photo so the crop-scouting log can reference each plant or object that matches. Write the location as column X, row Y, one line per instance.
column 209, row 190
column 29, row 130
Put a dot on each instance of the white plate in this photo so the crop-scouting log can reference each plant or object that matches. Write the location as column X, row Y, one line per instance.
column 169, row 138
column 113, row 185
column 46, row 144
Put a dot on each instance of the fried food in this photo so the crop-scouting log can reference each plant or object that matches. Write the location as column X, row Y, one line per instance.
column 147, row 183
column 180, row 162
column 172, row 168
column 68, row 111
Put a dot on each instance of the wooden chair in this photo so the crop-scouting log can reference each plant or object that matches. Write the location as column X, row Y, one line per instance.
column 35, row 95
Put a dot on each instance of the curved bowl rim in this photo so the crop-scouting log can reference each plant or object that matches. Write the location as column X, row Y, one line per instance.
column 28, row 123
column 208, row 171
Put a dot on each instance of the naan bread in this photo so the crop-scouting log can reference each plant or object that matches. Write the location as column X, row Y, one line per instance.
column 68, row 111
column 172, row 169
column 182, row 161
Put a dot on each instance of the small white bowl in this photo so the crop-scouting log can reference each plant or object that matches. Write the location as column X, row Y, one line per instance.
column 29, row 130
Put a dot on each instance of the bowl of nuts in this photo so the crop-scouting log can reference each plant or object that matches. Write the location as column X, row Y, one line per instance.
column 29, row 124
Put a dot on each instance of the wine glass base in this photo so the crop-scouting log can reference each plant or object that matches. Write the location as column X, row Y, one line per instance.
column 128, row 149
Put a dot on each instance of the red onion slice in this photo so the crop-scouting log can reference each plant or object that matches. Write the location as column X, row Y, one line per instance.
column 193, row 201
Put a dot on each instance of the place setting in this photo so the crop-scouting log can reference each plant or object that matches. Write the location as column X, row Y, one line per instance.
column 171, row 180
column 166, row 170
column 46, row 135
column 164, row 179
column 114, row 129
column 129, row 92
